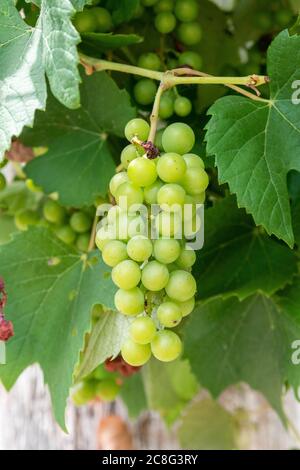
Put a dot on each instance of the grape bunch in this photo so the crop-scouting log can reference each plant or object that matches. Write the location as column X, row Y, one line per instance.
column 153, row 274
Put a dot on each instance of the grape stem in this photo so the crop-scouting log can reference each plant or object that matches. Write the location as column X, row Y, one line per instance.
column 93, row 234
column 155, row 112
column 181, row 76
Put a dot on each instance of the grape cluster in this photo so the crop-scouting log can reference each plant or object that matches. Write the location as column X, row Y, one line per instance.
column 153, row 274
column 94, row 19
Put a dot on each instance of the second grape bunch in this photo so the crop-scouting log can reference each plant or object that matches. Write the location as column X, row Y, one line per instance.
column 153, row 276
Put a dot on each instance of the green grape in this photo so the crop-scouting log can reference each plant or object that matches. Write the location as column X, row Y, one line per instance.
column 137, row 128
column 155, row 276
column 105, row 235
column 107, row 390
column 171, row 197
column 53, row 212
column 142, row 330
column 166, row 250
column 150, row 61
column 185, row 307
column 149, row 3
column 103, row 19
column 169, row 314
column 283, row 17
column 190, row 34
column 166, row 107
column 182, row 106
column 192, row 59
column 32, row 186
column 164, row 5
column 85, row 21
column 128, row 194
column 116, row 181
column 130, row 302
column 150, row 192
column 142, row 171
column 195, row 180
column 181, row 286
column 193, row 161
column 178, row 138
column 192, row 226
column 83, row 241
column 158, row 139
column 137, row 227
column 26, row 217
column 65, row 234
column 165, row 22
column 126, row 275
column 168, row 224
column 135, row 354
column 172, row 63
column 114, row 214
column 83, row 393
column 264, row 20
column 2, row 182
column 129, row 153
column 166, row 346
column 80, row 222
column 144, row 91
column 186, row 259
column 186, row 10
column 114, row 252
column 171, row 167
column 139, row 248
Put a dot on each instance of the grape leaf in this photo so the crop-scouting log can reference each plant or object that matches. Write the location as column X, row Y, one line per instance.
column 26, row 54
column 228, row 341
column 17, row 196
column 255, row 143
column 133, row 394
column 206, row 425
column 95, row 43
column 110, row 326
column 168, row 387
column 51, row 291
column 7, row 228
column 239, row 258
column 79, row 164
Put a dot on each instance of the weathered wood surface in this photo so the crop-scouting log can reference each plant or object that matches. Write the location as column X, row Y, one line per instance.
column 26, row 421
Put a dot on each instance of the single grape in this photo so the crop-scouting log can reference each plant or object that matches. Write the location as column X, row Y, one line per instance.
column 185, row 307
column 114, row 252
column 34, row 188
column 192, row 226
column 24, row 218
column 186, row 10
column 53, row 212
column 193, row 161
column 83, row 241
column 166, row 107
column 172, row 63
column 80, row 222
column 103, row 19
column 144, row 91
column 171, row 197
column 186, row 259
column 139, row 248
column 83, row 393
column 142, row 330
column 192, row 59
column 126, row 274
column 150, row 61
column 190, row 33
column 171, row 167
column 181, row 286
column 182, row 106
column 135, row 354
column 166, row 250
column 195, row 180
column 155, row 276
column 164, row 5
column 116, row 181
column 169, row 314
column 168, row 224
column 129, row 194
column 130, row 302
column 137, row 226
column 142, row 171
column 178, row 138
column 129, row 153
column 137, row 128
column 166, row 346
column 107, row 390
column 283, row 17
column 264, row 20
column 114, row 214
column 65, row 234
column 150, row 192
column 2, row 182
column 84, row 21
column 104, row 235
column 165, row 22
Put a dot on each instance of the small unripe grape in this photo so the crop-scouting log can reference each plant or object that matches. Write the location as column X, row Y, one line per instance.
column 26, row 217
column 166, row 250
column 190, row 34
column 142, row 171
column 126, row 274
column 114, row 252
column 155, row 276
column 169, row 314
column 181, row 286
column 83, row 241
column 53, row 212
column 185, row 307
column 171, row 197
column 137, row 128
column 116, row 181
column 182, row 106
column 107, row 390
column 105, row 235
column 80, row 222
column 135, row 354
column 139, row 248
column 168, row 224
column 178, row 138
column 166, row 346
column 144, row 91
column 264, row 20
column 186, row 259
column 83, row 393
column 171, row 167
column 2, row 182
column 166, row 107
column 130, row 194
column 195, row 180
column 186, row 10
column 84, row 21
column 142, row 330
column 150, row 61
column 192, row 59
column 65, row 234
column 150, row 192
column 103, row 19
column 34, row 188
column 129, row 153
column 164, row 5
column 130, row 302
column 165, row 22
column 283, row 17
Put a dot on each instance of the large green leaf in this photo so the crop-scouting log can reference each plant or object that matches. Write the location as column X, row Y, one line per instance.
column 133, row 394
column 255, row 143
column 26, row 54
column 238, row 258
column 205, row 425
column 228, row 341
column 95, row 43
column 51, row 291
column 78, row 164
